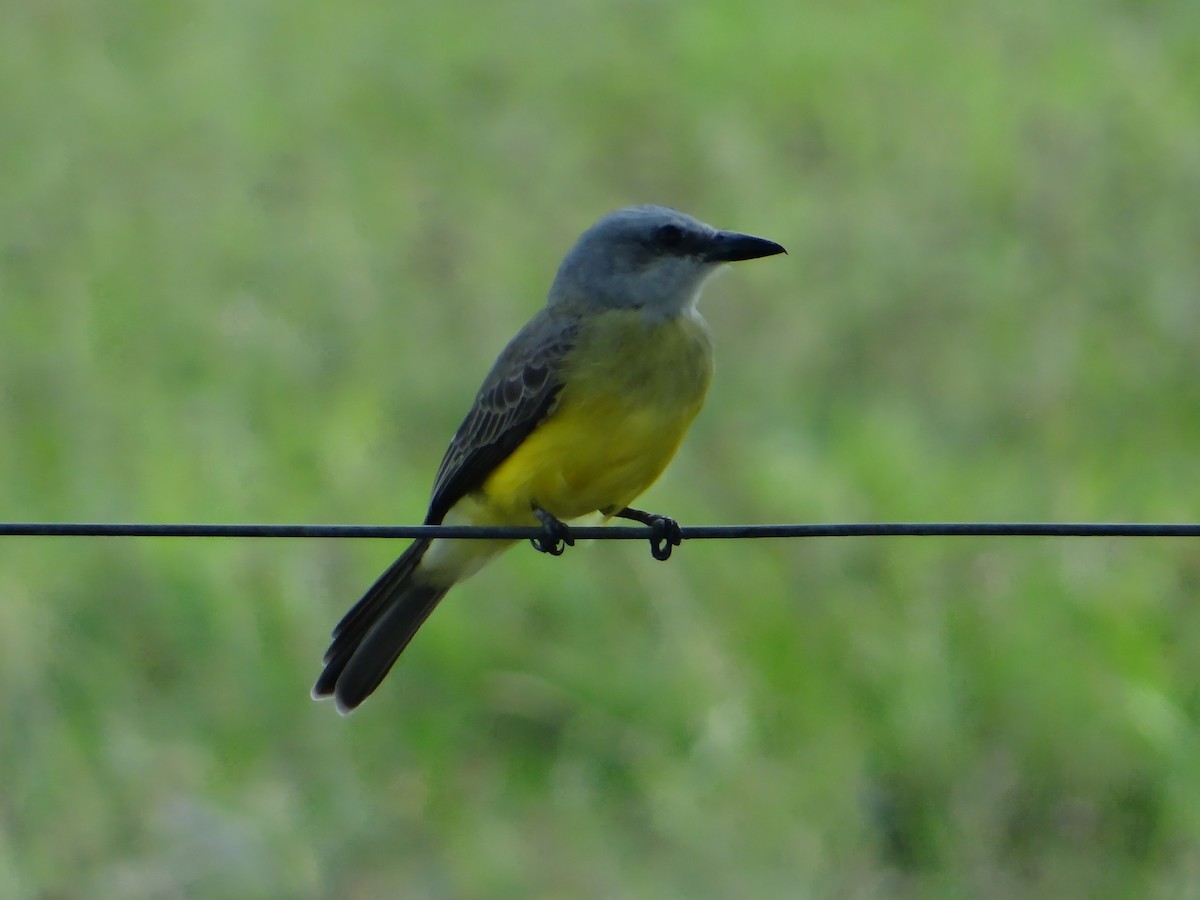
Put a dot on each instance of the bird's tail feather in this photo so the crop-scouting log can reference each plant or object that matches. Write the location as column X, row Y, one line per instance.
column 371, row 636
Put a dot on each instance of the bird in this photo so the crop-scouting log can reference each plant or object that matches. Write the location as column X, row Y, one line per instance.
column 580, row 413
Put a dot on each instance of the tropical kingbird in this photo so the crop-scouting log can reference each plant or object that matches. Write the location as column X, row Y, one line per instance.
column 580, row 414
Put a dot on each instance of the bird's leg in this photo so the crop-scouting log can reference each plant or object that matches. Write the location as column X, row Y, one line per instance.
column 556, row 535
column 667, row 533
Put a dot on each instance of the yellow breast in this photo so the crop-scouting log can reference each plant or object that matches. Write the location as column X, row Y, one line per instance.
column 632, row 389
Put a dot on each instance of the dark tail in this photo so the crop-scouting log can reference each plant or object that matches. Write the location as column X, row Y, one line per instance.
column 370, row 638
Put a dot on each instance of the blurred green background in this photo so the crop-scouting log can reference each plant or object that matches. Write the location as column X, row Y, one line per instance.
column 255, row 259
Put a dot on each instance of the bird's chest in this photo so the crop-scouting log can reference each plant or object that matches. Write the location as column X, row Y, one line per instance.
column 627, row 404
column 625, row 368
column 630, row 391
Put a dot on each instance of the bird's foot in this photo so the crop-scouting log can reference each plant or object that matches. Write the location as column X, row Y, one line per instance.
column 555, row 537
column 667, row 533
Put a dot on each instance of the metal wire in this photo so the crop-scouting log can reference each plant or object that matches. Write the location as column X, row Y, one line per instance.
column 617, row 533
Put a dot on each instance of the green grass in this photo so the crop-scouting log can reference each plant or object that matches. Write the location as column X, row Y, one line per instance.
column 231, row 236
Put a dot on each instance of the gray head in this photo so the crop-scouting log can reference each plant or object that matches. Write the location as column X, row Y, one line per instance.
column 651, row 258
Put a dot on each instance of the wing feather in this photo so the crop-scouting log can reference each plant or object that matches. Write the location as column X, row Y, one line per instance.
column 518, row 393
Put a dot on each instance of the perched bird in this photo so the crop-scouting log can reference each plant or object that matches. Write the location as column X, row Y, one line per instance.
column 580, row 414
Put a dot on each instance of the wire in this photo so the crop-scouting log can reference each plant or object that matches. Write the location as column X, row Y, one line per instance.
column 590, row 533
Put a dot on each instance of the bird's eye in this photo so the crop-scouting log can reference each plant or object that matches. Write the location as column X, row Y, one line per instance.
column 669, row 235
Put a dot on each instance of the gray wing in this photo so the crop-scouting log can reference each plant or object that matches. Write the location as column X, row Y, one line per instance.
column 518, row 393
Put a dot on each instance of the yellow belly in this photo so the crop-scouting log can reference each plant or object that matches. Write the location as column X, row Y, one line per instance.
column 632, row 389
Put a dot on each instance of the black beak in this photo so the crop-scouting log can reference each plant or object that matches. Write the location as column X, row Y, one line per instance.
column 729, row 246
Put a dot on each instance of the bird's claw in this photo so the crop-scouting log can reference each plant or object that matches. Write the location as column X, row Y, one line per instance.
column 667, row 536
column 555, row 536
